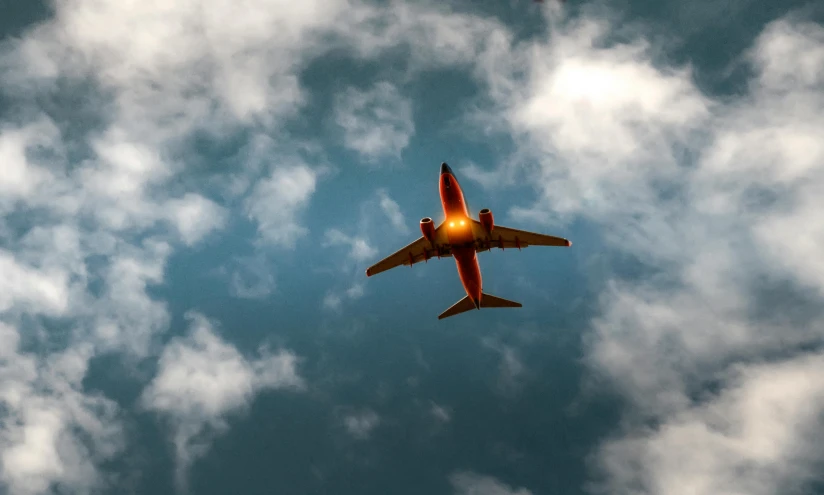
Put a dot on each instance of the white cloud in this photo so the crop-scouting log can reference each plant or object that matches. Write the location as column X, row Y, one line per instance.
column 360, row 425
column 126, row 317
column 470, row 483
column 24, row 286
column 276, row 202
column 52, row 431
column 195, row 217
column 107, row 180
column 377, row 123
column 360, row 251
column 359, row 248
column 202, row 379
column 333, row 300
column 716, row 197
column 765, row 423
column 20, row 177
column 393, row 212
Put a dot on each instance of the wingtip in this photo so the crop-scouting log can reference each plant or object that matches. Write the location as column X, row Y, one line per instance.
column 569, row 243
column 368, row 272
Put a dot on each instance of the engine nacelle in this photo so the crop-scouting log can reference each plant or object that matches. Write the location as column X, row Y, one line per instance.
column 428, row 229
column 485, row 217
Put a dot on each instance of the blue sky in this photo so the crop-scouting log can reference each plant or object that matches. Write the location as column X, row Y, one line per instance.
column 190, row 193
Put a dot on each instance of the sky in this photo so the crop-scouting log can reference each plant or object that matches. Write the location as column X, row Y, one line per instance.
column 191, row 191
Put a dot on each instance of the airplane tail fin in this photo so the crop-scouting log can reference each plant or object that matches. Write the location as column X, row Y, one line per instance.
column 487, row 301
column 490, row 301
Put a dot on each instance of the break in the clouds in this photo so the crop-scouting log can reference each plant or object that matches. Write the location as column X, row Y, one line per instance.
column 376, row 123
column 202, row 379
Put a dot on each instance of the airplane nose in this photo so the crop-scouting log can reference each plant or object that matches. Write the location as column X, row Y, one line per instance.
column 445, row 169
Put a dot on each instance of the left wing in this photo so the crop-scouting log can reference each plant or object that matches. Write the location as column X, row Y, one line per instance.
column 417, row 251
column 505, row 237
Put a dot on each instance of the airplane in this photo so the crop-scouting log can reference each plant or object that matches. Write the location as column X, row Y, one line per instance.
column 461, row 237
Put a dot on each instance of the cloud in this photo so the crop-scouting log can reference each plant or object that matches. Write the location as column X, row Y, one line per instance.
column 202, row 380
column 377, row 123
column 102, row 183
column 196, row 216
column 125, row 317
column 765, row 423
column 715, row 197
column 52, row 432
column 359, row 248
column 470, row 483
column 393, row 212
column 333, row 300
column 252, row 279
column 276, row 201
column 441, row 413
column 510, row 368
column 360, row 425
column 360, row 251
column 66, row 257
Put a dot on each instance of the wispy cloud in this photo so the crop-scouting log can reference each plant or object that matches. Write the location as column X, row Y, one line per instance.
column 471, row 483
column 333, row 300
column 202, row 379
column 510, row 368
column 360, row 251
column 441, row 413
column 393, row 212
column 359, row 248
column 377, row 123
column 251, row 278
column 361, row 424
column 276, row 202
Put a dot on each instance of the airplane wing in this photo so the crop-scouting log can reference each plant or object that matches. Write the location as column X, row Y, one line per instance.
column 505, row 237
column 417, row 251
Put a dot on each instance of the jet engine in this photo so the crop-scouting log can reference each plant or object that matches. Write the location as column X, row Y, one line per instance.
column 428, row 229
column 485, row 217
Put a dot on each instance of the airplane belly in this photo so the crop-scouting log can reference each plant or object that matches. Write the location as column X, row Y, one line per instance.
column 469, row 271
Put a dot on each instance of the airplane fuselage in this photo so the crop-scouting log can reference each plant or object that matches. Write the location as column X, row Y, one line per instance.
column 459, row 231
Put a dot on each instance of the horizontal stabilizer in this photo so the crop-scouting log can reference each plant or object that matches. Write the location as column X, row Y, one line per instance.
column 490, row 301
column 487, row 301
column 459, row 307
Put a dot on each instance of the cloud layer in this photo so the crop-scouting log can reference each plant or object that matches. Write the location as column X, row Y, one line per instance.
column 715, row 198
column 104, row 181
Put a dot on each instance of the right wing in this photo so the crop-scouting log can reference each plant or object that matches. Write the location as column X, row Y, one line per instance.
column 417, row 251
column 505, row 237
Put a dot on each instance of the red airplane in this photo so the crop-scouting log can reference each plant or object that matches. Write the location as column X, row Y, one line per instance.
column 462, row 237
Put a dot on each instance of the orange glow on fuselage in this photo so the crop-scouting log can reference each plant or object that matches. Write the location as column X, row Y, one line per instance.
column 459, row 231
